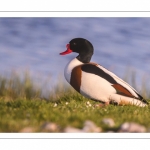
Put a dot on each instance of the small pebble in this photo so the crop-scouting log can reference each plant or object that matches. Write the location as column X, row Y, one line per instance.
column 55, row 105
column 27, row 130
column 90, row 126
column 67, row 103
column 49, row 127
column 132, row 127
column 88, row 104
column 72, row 130
column 109, row 122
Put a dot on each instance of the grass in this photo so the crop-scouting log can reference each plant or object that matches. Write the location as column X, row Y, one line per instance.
column 22, row 105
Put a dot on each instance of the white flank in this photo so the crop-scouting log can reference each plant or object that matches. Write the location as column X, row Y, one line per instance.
column 95, row 87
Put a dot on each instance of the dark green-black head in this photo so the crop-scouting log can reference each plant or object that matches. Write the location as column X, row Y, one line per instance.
column 81, row 46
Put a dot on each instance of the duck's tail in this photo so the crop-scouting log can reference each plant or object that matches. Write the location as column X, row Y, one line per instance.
column 124, row 100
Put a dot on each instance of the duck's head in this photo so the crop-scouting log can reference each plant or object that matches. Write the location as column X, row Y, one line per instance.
column 81, row 46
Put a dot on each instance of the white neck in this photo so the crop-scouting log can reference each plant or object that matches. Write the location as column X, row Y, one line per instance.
column 69, row 67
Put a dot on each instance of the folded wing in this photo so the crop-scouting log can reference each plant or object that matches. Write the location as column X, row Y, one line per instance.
column 120, row 86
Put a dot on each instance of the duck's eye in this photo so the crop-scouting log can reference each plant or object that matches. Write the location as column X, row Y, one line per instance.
column 74, row 43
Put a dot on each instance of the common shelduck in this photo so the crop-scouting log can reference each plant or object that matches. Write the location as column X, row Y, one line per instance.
column 96, row 82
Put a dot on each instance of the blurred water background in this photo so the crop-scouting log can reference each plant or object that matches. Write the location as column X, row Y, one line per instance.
column 34, row 44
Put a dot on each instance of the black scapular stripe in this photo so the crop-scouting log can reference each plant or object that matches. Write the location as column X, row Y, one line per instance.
column 90, row 68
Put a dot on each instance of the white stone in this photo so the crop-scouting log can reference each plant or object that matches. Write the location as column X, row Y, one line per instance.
column 132, row 127
column 55, row 105
column 90, row 126
column 27, row 130
column 72, row 130
column 109, row 122
column 50, row 127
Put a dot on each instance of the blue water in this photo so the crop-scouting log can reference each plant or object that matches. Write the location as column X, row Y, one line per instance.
column 34, row 44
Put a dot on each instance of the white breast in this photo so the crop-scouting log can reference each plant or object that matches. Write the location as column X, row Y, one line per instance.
column 68, row 69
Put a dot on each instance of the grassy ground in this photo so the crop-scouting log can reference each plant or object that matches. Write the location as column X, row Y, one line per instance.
column 21, row 105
